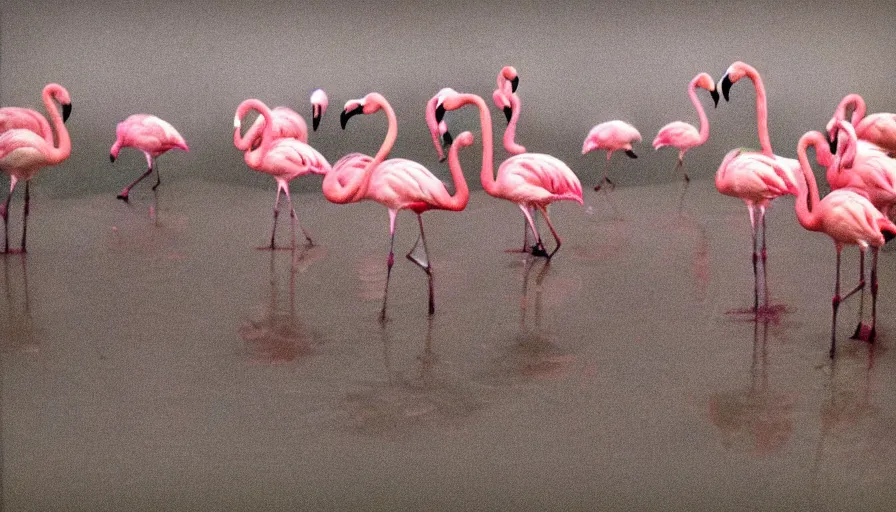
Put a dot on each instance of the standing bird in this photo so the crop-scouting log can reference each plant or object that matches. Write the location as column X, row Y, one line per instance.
column 879, row 128
column 531, row 180
column 684, row 136
column 287, row 123
column 12, row 118
column 284, row 159
column 150, row 135
column 23, row 152
column 611, row 136
column 752, row 179
column 848, row 218
column 397, row 184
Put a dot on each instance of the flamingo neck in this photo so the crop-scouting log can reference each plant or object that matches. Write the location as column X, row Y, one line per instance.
column 858, row 108
column 461, row 191
column 63, row 147
column 761, row 111
column 807, row 196
column 254, row 157
column 701, row 113
column 391, row 134
column 510, row 144
column 487, row 174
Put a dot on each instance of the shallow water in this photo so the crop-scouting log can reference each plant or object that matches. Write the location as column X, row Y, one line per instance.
column 153, row 357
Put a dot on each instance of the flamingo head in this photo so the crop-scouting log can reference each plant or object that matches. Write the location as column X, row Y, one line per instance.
column 734, row 73
column 61, row 96
column 319, row 103
column 704, row 81
column 504, row 102
column 438, row 128
column 369, row 104
column 508, row 75
column 844, row 147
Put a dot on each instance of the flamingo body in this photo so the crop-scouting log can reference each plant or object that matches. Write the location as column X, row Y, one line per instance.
column 152, row 136
column 12, row 118
column 611, row 136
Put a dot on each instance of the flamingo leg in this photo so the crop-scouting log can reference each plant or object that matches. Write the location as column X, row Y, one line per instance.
column 526, row 247
column 680, row 167
column 4, row 212
column 538, row 247
column 389, row 261
column 544, row 213
column 427, row 267
column 857, row 335
column 276, row 213
column 158, row 176
column 763, row 255
column 835, row 304
column 755, row 259
column 872, row 336
column 294, row 220
column 26, row 210
column 605, row 179
column 127, row 190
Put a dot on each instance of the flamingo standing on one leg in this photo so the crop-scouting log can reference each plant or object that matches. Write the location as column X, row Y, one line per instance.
column 684, row 136
column 847, row 217
column 732, row 177
column 611, row 136
column 287, row 123
column 879, row 128
column 397, row 184
column 284, row 159
column 24, row 152
column 531, row 180
column 152, row 136
column 25, row 118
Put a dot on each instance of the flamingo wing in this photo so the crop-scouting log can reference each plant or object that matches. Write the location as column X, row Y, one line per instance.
column 293, row 158
column 677, row 134
column 535, row 178
column 400, row 183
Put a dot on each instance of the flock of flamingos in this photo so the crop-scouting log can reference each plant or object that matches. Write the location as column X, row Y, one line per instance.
column 856, row 149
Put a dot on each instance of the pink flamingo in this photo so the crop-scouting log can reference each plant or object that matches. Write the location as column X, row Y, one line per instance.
column 611, row 136
column 25, row 118
column 23, row 152
column 397, row 184
column 847, row 217
column 531, row 180
column 734, row 177
column 684, row 136
column 879, row 128
column 287, row 123
column 284, row 159
column 152, row 136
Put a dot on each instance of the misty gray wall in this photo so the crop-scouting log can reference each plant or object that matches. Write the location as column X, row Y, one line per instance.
column 191, row 64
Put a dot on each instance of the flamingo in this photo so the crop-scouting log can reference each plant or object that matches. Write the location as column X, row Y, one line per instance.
column 734, row 177
column 284, row 159
column 287, row 123
column 506, row 99
column 152, row 136
column 531, row 180
column 879, row 128
column 17, row 117
column 397, row 184
column 23, row 152
column 870, row 169
column 611, row 136
column 684, row 136
column 847, row 217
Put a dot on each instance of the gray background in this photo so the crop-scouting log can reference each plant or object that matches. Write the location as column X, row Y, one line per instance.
column 580, row 64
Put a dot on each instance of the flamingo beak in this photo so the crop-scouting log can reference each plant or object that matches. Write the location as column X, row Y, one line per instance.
column 888, row 235
column 833, row 144
column 440, row 113
column 348, row 114
column 447, row 140
column 514, row 84
column 631, row 154
column 315, row 118
column 111, row 158
column 508, row 113
column 66, row 111
column 726, row 86
column 715, row 97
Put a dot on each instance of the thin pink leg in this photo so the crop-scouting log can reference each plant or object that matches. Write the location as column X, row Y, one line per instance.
column 158, row 176
column 835, row 303
column 294, row 219
column 872, row 336
column 125, row 192
column 755, row 258
column 389, row 261
column 538, row 248
column 276, row 214
column 4, row 212
column 427, row 267
column 606, row 180
column 544, row 213
column 858, row 332
column 26, row 210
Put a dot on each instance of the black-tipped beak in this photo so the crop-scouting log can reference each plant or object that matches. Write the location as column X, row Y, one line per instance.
column 447, row 140
column 514, row 84
column 111, row 158
column 888, row 235
column 66, row 111
column 631, row 154
column 726, row 86
column 833, row 145
column 508, row 113
column 347, row 114
column 715, row 97
column 315, row 122
column 440, row 113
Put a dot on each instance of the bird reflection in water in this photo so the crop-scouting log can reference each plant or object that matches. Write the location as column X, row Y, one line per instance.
column 20, row 333
column 533, row 354
column 426, row 396
column 276, row 335
column 755, row 419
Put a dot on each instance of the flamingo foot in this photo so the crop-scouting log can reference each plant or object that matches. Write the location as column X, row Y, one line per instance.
column 539, row 250
column 123, row 196
column 864, row 332
column 605, row 181
column 766, row 313
column 14, row 251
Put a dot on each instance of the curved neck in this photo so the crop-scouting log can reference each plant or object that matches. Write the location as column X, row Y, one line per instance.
column 63, row 147
column 701, row 113
column 487, row 174
column 253, row 157
column 761, row 111
column 461, row 191
column 858, row 107
column 807, row 197
column 391, row 132
column 510, row 144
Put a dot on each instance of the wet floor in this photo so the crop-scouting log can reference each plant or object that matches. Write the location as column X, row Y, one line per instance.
column 154, row 358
